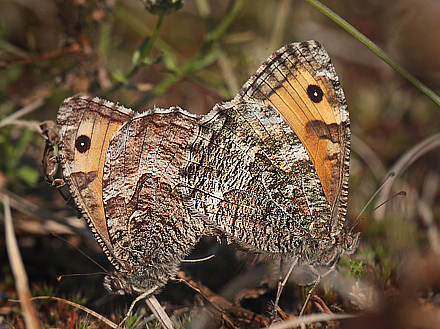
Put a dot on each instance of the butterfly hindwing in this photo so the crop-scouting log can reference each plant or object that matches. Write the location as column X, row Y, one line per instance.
column 148, row 225
column 267, row 168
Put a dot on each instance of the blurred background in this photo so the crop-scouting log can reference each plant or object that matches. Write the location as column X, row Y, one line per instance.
column 204, row 52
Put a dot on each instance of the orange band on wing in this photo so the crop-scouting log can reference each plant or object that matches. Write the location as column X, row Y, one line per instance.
column 314, row 122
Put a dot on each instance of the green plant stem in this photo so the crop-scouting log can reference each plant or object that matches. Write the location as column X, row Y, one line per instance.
column 379, row 52
column 197, row 62
column 225, row 23
column 204, row 56
column 144, row 50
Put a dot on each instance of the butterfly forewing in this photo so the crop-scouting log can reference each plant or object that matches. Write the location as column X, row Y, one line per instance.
column 300, row 82
column 267, row 168
column 87, row 125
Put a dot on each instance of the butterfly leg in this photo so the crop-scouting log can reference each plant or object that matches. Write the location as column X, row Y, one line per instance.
column 315, row 284
column 154, row 306
column 311, row 291
column 282, row 282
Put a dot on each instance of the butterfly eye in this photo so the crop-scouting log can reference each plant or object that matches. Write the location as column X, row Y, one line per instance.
column 116, row 284
column 315, row 93
column 82, row 143
column 349, row 241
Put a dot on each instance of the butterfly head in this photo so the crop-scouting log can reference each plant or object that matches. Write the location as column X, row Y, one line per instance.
column 329, row 251
column 350, row 242
column 124, row 283
column 346, row 242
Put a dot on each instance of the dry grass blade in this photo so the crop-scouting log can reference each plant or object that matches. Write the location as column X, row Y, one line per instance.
column 309, row 319
column 424, row 209
column 32, row 210
column 369, row 157
column 159, row 312
column 228, row 73
column 281, row 22
column 21, row 281
column 401, row 165
column 25, row 110
column 83, row 308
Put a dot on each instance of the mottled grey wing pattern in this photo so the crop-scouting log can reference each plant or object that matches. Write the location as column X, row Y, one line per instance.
column 252, row 165
column 268, row 170
column 300, row 82
column 233, row 180
column 150, row 230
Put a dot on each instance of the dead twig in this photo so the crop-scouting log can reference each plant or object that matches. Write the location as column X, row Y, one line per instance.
column 21, row 281
column 222, row 305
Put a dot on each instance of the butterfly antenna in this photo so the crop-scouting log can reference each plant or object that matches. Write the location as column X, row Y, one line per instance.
column 82, row 252
column 391, row 174
column 357, row 220
column 79, row 274
column 401, row 193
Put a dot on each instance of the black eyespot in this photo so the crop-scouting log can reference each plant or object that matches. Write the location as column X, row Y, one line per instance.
column 82, row 143
column 315, row 93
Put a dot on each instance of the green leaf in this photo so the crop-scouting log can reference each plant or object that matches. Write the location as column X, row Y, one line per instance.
column 357, row 268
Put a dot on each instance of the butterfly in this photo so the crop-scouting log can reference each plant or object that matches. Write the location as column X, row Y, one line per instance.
column 268, row 170
column 122, row 169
